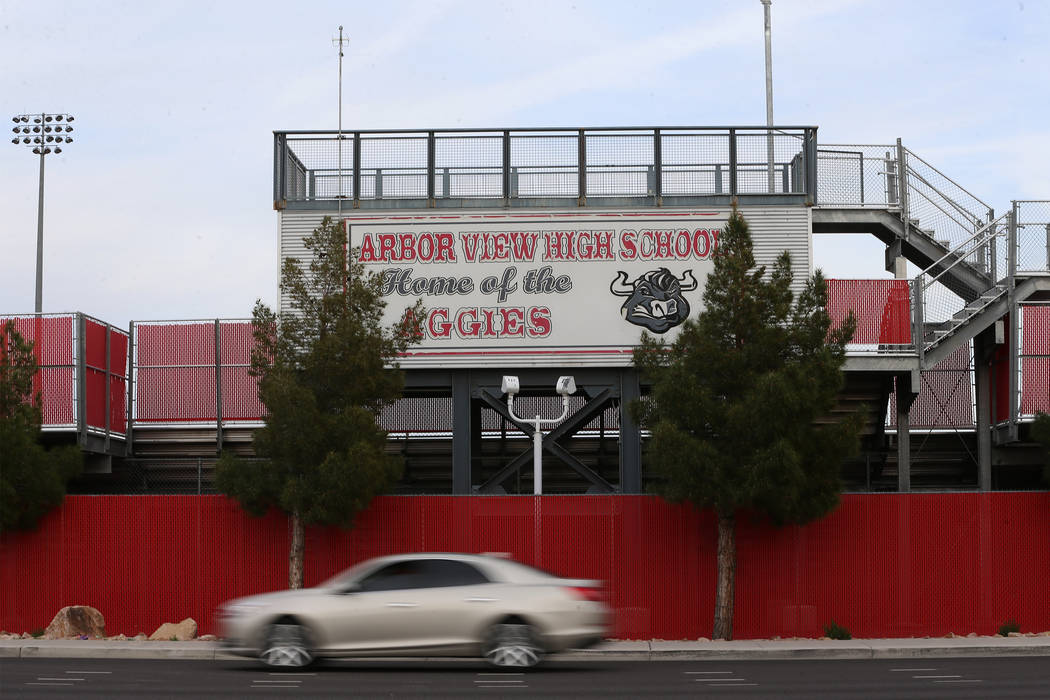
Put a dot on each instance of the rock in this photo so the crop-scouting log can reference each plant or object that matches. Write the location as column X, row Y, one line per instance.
column 181, row 632
column 972, row 634
column 141, row 636
column 1015, row 634
column 76, row 621
column 207, row 638
column 950, row 635
column 119, row 638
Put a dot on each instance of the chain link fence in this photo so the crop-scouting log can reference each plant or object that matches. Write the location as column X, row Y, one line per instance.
column 1033, row 235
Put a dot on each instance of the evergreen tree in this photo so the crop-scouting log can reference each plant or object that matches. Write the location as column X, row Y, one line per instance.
column 735, row 402
column 32, row 479
column 325, row 369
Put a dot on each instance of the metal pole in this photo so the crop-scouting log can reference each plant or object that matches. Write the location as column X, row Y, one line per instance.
column 769, row 94
column 537, row 459
column 339, row 189
column 38, row 308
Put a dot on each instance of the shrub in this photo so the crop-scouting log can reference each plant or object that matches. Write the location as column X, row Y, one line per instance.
column 833, row 630
column 1009, row 626
column 37, row 633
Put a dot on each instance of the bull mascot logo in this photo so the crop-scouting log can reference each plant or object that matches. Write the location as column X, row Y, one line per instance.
column 654, row 299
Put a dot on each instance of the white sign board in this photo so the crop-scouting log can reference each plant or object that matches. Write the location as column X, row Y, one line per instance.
column 539, row 289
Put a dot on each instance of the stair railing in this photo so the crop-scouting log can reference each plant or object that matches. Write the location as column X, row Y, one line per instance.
column 984, row 239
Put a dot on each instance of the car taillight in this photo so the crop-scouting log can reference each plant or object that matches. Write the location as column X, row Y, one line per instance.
column 596, row 595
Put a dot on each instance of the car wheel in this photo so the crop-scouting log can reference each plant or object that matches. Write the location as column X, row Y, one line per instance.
column 512, row 645
column 287, row 644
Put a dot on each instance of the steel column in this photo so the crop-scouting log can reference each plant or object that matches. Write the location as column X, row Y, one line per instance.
column 462, row 430
column 1015, row 321
column 218, row 389
column 983, row 347
column 581, row 175
column 128, row 432
column 81, row 381
column 630, row 435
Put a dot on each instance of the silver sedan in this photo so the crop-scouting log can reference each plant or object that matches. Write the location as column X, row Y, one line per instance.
column 421, row 605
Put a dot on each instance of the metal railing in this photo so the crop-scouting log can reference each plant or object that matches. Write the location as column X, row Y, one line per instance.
column 82, row 374
column 890, row 176
column 499, row 165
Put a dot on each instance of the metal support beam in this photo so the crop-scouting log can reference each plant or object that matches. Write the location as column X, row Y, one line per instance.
column 630, row 435
column 907, row 390
column 581, row 160
column 983, row 349
column 573, row 423
column 218, row 387
column 1015, row 323
column 462, row 429
column 129, row 448
column 81, row 380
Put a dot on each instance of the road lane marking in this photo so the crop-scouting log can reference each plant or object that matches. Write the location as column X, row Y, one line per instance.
column 729, row 685
column 32, row 683
column 64, row 678
column 954, row 676
column 903, row 670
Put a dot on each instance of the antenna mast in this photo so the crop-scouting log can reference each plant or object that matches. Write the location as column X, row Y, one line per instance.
column 340, row 43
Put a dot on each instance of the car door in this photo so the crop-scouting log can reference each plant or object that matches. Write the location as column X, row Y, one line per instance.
column 455, row 599
column 377, row 612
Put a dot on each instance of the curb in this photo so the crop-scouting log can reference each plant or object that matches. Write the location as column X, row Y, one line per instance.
column 612, row 651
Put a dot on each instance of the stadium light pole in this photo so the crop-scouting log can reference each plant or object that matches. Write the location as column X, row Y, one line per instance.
column 565, row 386
column 769, row 94
column 44, row 134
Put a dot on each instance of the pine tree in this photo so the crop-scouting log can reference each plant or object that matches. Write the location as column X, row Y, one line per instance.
column 326, row 369
column 32, row 479
column 735, row 400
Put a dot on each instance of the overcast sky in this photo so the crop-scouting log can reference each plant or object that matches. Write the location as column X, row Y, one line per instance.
column 162, row 207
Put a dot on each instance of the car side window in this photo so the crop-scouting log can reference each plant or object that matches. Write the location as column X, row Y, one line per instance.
column 440, row 573
column 393, row 577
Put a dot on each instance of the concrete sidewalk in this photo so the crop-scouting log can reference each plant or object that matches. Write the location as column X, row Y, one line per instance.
column 745, row 650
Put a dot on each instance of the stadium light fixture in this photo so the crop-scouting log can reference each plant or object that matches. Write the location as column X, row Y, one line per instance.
column 564, row 386
column 43, row 144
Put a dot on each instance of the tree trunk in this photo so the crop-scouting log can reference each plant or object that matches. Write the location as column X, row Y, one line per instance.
column 295, row 552
column 723, row 628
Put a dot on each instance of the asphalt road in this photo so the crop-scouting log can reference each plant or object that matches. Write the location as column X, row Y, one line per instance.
column 1013, row 677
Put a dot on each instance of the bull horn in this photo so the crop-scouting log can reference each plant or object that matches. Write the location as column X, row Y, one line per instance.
column 687, row 282
column 619, row 286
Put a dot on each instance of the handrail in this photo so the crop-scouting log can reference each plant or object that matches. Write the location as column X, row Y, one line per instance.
column 954, row 252
column 955, row 205
column 927, row 164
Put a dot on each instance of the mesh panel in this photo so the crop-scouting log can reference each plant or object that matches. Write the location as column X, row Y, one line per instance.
column 620, row 165
column 393, row 167
column 1035, row 359
column 468, row 166
column 1033, row 236
column 695, row 163
column 544, row 165
column 857, row 175
column 753, row 164
column 882, row 309
column 175, row 372
column 945, row 400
